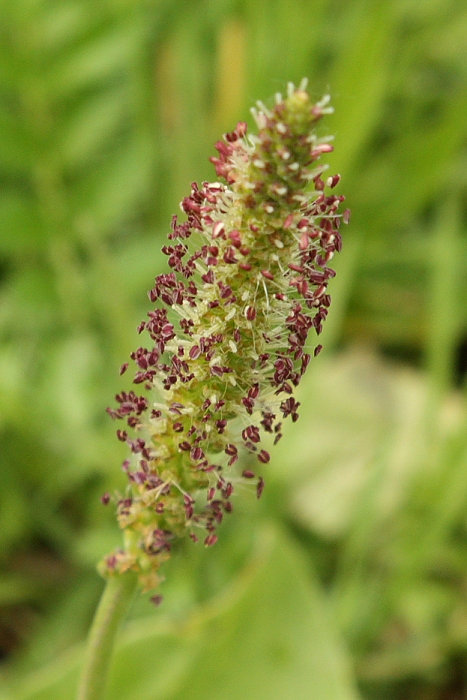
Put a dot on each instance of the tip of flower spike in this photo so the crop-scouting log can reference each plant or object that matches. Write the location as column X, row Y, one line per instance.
column 302, row 86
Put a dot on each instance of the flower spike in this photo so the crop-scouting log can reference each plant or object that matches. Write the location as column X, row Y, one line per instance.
column 227, row 337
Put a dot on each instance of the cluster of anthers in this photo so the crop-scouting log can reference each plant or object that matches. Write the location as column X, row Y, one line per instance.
column 248, row 282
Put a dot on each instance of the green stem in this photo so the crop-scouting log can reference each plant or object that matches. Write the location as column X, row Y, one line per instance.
column 111, row 610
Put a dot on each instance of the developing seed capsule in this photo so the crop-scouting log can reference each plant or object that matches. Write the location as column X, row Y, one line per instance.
column 227, row 335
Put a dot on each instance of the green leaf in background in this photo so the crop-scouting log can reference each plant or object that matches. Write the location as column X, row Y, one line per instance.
column 382, row 475
column 269, row 635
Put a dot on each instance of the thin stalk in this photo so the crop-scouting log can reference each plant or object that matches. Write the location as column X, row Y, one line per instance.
column 112, row 608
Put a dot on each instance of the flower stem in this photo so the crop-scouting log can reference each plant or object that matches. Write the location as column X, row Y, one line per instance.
column 112, row 608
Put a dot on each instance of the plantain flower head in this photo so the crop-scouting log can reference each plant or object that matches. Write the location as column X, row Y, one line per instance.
column 227, row 341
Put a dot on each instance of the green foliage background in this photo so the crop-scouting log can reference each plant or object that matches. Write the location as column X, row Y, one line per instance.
column 349, row 578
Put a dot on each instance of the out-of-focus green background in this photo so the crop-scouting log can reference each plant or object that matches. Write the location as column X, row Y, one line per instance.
column 349, row 579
